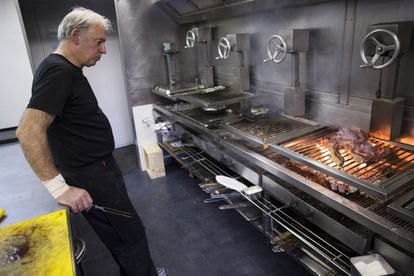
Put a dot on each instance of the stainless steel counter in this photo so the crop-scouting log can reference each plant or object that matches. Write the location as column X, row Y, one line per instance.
column 22, row 194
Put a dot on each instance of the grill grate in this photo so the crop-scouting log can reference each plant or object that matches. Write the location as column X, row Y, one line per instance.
column 270, row 130
column 397, row 160
column 368, row 202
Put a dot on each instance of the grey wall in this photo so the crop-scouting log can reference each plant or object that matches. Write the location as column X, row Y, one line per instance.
column 41, row 19
column 15, row 72
column 338, row 91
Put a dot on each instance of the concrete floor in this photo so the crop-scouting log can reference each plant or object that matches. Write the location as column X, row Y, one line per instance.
column 186, row 236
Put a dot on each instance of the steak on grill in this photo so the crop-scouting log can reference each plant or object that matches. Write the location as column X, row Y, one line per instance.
column 354, row 141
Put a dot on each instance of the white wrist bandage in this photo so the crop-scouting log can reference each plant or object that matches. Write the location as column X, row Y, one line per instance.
column 56, row 186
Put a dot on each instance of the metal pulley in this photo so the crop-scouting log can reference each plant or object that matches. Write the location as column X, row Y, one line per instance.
column 223, row 48
column 381, row 49
column 190, row 39
column 276, row 49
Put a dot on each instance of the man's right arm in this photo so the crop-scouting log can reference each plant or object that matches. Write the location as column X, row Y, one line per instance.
column 32, row 135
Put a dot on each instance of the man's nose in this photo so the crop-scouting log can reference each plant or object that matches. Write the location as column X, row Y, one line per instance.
column 103, row 48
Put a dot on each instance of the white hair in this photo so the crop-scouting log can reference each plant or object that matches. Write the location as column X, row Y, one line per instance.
column 81, row 19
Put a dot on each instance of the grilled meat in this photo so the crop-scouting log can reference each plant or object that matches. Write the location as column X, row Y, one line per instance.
column 315, row 175
column 354, row 141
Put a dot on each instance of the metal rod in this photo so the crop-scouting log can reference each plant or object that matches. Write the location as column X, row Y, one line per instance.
column 296, row 232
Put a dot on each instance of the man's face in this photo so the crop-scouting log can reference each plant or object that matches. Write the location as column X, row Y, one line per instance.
column 91, row 45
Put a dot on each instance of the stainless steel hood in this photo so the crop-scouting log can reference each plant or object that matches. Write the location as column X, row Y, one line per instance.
column 190, row 11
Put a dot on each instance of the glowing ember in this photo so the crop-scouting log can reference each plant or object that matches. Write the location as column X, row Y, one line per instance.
column 406, row 140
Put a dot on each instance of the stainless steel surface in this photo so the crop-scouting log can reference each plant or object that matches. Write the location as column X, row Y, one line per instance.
column 215, row 99
column 372, row 216
column 200, row 38
column 276, row 49
column 330, row 50
column 235, row 206
column 363, row 209
column 397, row 259
column 404, row 207
column 392, row 49
column 245, row 169
column 334, row 223
column 183, row 11
column 206, row 118
column 22, row 193
column 381, row 179
column 336, row 256
column 171, row 61
column 297, row 40
column 270, row 130
column 223, row 48
column 311, row 262
column 242, row 75
column 239, row 45
column 294, row 100
column 177, row 88
column 386, row 118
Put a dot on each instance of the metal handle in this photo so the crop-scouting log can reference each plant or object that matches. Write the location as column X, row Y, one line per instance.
column 190, row 39
column 276, row 49
column 223, row 48
column 380, row 49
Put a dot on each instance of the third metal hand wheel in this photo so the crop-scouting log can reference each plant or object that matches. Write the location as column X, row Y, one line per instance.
column 223, row 48
column 380, row 49
column 190, row 39
column 276, row 49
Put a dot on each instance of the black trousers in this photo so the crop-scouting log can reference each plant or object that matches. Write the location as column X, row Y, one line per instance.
column 124, row 237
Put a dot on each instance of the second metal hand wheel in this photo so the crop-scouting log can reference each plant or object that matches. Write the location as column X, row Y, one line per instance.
column 190, row 39
column 276, row 49
column 223, row 48
column 380, row 49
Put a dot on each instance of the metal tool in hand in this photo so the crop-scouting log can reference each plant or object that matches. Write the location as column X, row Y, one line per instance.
column 113, row 211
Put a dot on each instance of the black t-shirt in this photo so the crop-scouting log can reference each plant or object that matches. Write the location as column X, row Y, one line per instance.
column 81, row 133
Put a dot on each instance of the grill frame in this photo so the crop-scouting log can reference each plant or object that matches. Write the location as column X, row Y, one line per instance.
column 383, row 190
column 383, row 226
column 288, row 128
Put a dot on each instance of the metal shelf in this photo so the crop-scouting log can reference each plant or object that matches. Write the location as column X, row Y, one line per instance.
column 280, row 217
column 200, row 165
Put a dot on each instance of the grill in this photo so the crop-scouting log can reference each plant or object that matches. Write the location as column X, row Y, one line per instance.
column 368, row 202
column 289, row 150
column 270, row 131
column 382, row 178
column 299, row 140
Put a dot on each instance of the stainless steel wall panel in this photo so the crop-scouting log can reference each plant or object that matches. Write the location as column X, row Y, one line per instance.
column 144, row 27
column 338, row 91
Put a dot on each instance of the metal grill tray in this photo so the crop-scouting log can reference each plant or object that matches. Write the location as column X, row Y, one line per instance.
column 381, row 179
column 205, row 119
column 218, row 98
column 275, row 130
column 404, row 207
column 182, row 87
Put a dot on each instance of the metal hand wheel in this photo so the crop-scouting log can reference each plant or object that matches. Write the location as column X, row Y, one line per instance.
column 190, row 39
column 380, row 49
column 276, row 49
column 223, row 48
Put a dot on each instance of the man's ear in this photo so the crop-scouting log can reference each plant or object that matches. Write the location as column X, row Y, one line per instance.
column 75, row 36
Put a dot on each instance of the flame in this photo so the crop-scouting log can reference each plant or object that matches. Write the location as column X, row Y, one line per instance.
column 406, row 140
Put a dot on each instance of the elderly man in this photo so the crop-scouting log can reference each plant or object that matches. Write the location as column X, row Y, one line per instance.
column 68, row 141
